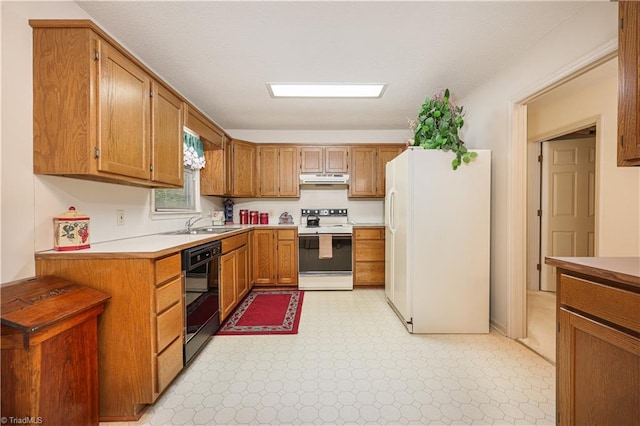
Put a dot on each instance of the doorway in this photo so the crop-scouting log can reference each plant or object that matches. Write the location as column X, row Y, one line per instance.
column 561, row 222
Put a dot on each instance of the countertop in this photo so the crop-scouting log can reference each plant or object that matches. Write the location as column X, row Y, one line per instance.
column 150, row 246
column 625, row 270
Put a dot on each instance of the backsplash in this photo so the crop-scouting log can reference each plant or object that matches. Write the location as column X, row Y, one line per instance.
column 54, row 194
column 360, row 210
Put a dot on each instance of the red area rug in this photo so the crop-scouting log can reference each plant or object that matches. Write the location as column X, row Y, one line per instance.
column 265, row 312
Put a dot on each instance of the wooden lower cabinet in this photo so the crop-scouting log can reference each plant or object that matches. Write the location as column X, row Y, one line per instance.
column 140, row 333
column 275, row 257
column 368, row 256
column 287, row 257
column 234, row 273
column 598, row 351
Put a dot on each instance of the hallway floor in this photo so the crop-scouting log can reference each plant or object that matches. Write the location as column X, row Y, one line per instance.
column 541, row 323
column 354, row 363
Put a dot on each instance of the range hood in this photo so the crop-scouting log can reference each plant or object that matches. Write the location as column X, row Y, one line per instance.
column 324, row 179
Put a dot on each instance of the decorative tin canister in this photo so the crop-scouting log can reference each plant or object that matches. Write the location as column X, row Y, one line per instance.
column 71, row 230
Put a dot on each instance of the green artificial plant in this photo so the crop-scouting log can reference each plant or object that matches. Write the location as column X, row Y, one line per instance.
column 437, row 128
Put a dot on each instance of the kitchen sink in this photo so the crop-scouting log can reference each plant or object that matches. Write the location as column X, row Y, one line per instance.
column 211, row 230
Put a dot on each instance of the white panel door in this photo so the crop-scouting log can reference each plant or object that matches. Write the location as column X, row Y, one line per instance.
column 568, row 202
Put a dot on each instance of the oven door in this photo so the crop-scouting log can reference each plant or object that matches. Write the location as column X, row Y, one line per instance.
column 334, row 273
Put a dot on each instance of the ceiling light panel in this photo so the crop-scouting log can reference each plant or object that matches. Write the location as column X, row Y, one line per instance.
column 326, row 90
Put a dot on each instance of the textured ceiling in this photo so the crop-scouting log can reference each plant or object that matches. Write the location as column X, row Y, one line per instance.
column 220, row 54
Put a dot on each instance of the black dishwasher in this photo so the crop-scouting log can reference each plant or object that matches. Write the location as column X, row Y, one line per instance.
column 201, row 265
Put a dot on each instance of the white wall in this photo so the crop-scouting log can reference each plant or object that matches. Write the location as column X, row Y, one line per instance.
column 488, row 120
column 593, row 96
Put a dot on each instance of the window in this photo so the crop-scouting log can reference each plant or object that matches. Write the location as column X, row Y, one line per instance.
column 181, row 200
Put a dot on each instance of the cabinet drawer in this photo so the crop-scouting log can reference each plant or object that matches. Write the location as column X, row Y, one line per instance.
column 168, row 268
column 169, row 364
column 168, row 294
column 170, row 325
column 369, row 251
column 369, row 234
column 286, row 234
column 232, row 243
column 608, row 303
column 369, row 273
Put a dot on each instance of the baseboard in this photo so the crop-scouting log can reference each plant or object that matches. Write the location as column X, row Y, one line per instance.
column 498, row 327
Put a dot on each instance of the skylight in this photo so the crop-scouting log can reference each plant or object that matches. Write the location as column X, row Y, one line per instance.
column 326, row 90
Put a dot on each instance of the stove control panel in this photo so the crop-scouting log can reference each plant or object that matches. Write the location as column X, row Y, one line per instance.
column 324, row 212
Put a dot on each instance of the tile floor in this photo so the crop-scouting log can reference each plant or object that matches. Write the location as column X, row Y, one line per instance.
column 353, row 362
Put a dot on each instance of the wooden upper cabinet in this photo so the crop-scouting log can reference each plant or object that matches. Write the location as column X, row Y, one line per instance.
column 364, row 171
column 318, row 159
column 243, row 158
column 311, row 159
column 367, row 170
column 628, row 87
column 94, row 115
column 386, row 154
column 213, row 176
column 203, row 127
column 216, row 175
column 167, row 122
column 278, row 171
column 124, row 141
column 268, row 171
column 336, row 159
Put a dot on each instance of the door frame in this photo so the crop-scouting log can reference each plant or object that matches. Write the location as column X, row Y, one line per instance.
column 517, row 240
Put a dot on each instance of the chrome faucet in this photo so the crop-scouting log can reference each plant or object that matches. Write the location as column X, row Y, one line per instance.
column 192, row 221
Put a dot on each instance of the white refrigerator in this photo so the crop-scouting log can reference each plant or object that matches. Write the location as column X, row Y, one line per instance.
column 437, row 241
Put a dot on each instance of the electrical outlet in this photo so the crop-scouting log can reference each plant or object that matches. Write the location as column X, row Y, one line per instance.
column 270, row 213
column 119, row 217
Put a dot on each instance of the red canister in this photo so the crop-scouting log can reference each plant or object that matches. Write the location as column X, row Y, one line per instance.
column 264, row 218
column 254, row 217
column 244, row 217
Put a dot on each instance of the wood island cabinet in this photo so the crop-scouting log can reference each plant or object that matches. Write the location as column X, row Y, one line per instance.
column 98, row 113
column 324, row 159
column 140, row 333
column 275, row 257
column 278, row 171
column 368, row 256
column 629, row 83
column 598, row 341
column 368, row 169
column 234, row 273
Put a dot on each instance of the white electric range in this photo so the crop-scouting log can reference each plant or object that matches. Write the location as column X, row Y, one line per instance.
column 325, row 250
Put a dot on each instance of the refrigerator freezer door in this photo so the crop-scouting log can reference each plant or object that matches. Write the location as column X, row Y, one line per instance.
column 403, row 237
column 388, row 234
column 396, row 238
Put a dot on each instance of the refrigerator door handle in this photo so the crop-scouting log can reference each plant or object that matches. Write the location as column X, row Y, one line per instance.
column 392, row 210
